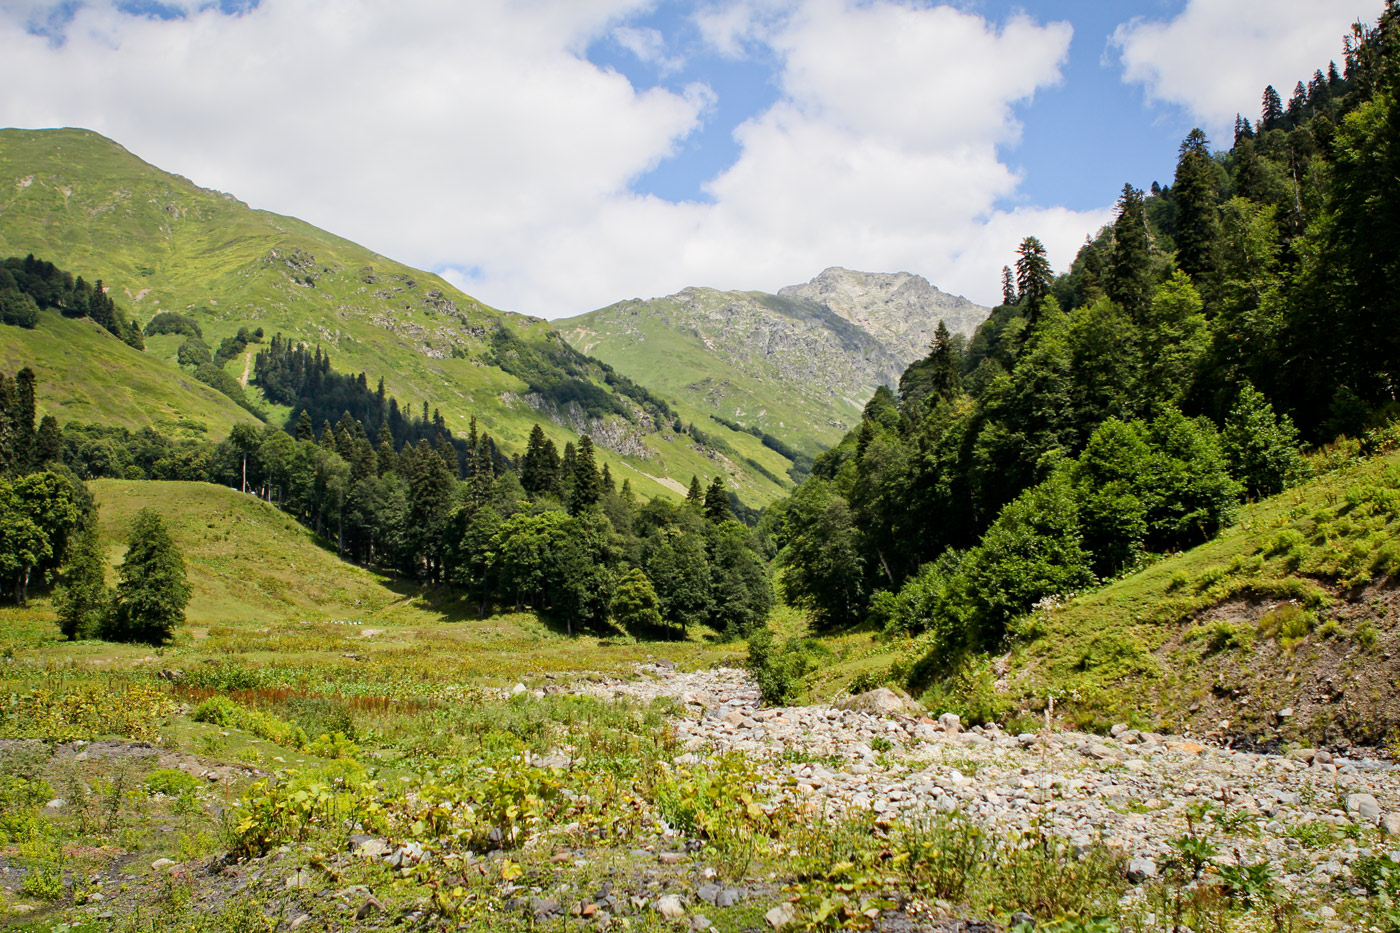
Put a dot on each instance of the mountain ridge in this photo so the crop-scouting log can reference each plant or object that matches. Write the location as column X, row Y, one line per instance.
column 161, row 242
column 798, row 363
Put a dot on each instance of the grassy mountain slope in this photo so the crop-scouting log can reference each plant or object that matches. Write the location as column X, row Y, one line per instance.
column 160, row 242
column 246, row 560
column 799, row 365
column 87, row 375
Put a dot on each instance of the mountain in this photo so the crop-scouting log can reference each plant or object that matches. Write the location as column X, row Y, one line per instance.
column 798, row 365
column 159, row 242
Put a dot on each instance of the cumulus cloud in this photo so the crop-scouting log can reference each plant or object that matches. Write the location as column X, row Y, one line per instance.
column 476, row 138
column 1248, row 43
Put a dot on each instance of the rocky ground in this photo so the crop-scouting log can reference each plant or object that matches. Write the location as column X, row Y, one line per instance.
column 1310, row 813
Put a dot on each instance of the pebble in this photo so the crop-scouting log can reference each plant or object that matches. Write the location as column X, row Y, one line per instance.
column 1132, row 788
column 670, row 907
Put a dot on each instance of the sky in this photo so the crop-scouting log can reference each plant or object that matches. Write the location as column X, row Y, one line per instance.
column 555, row 156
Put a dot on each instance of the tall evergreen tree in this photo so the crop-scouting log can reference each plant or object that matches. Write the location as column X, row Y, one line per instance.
column 1271, row 109
column 1008, row 286
column 717, row 502
column 1198, row 208
column 83, row 599
column 587, row 484
column 1130, row 270
column 1032, row 275
column 152, row 590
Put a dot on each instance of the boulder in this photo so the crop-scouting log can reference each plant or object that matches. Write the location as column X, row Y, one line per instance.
column 881, row 700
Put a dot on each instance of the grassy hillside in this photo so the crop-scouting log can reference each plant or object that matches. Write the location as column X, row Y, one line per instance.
column 787, row 368
column 87, row 375
column 160, row 242
column 1285, row 628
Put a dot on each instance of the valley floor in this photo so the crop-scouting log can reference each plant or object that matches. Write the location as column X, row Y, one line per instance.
column 669, row 799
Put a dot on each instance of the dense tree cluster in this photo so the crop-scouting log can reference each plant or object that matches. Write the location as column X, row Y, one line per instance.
column 28, row 284
column 550, row 529
column 1127, row 406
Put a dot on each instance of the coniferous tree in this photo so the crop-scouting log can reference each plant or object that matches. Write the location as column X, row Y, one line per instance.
column 1271, row 108
column 716, row 503
column 1008, row 286
column 1130, row 272
column 1032, row 275
column 1198, row 209
column 83, row 600
column 695, row 495
column 152, row 590
column 587, row 485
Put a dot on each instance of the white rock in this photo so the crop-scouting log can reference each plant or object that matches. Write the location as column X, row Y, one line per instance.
column 780, row 916
column 670, row 907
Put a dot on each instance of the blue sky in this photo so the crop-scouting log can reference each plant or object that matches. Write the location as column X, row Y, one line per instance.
column 553, row 156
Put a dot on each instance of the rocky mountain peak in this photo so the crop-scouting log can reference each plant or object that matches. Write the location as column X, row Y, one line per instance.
column 900, row 309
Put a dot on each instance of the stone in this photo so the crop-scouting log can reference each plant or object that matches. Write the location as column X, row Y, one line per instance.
column 163, row 863
column 1390, row 824
column 709, row 893
column 729, row 897
column 55, row 804
column 301, row 878
column 543, row 908
column 1304, row 755
column 951, row 722
column 700, row 922
column 882, row 701
column 781, row 916
column 670, row 907
column 1118, row 729
column 370, row 906
column 1141, row 869
column 1364, row 807
column 518, row 689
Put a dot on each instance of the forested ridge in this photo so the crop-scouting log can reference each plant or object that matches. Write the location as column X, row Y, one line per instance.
column 1125, row 407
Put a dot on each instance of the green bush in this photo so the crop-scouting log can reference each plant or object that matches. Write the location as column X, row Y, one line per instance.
column 1285, row 623
column 171, row 782
column 317, row 716
column 221, row 711
column 779, row 672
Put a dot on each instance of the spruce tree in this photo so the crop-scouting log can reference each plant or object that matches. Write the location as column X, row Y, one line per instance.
column 1271, row 108
column 1008, row 286
column 695, row 495
column 717, row 502
column 152, row 591
column 83, row 599
column 1032, row 275
column 1129, row 280
column 587, row 485
column 1198, row 212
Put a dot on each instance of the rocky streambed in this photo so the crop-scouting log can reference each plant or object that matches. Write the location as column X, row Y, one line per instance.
column 1309, row 813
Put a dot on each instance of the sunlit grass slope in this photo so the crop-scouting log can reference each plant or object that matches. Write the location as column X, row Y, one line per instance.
column 160, row 242
column 87, row 375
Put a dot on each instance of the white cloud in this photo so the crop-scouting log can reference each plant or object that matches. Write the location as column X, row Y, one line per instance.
column 649, row 46
column 475, row 137
column 1249, row 43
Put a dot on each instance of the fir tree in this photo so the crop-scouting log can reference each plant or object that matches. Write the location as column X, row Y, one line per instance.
column 1271, row 108
column 716, row 505
column 152, row 590
column 587, row 485
column 83, row 600
column 1008, row 286
column 1032, row 275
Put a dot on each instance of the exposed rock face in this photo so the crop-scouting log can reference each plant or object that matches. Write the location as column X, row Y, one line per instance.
column 899, row 309
column 800, row 364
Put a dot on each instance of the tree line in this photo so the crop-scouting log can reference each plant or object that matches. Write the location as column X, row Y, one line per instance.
column 548, row 529
column 1125, row 407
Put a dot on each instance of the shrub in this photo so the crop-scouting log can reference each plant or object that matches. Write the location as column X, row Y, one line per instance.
column 171, row 782
column 223, row 712
column 318, row 716
column 779, row 672
column 1285, row 623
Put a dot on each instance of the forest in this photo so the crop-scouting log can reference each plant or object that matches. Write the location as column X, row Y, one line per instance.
column 1126, row 407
